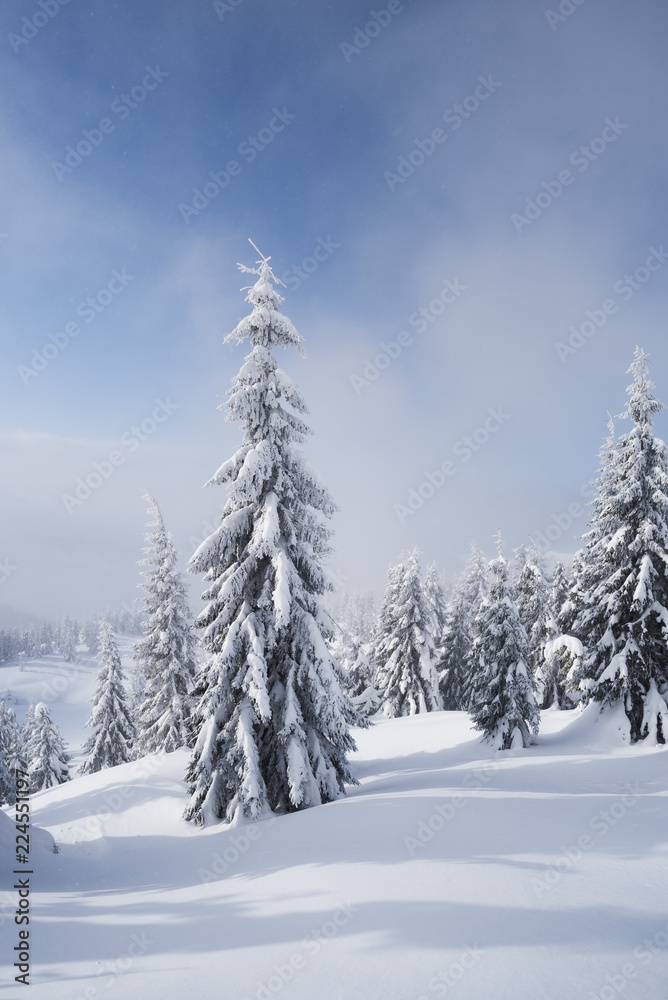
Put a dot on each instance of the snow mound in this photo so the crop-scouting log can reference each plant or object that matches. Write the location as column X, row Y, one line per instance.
column 597, row 728
column 41, row 842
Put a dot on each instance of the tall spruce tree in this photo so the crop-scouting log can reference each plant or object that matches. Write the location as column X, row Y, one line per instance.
column 272, row 720
column 48, row 761
column 166, row 658
column 623, row 621
column 407, row 679
column 113, row 729
column 504, row 705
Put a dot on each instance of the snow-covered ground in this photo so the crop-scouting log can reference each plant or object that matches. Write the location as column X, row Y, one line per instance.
column 450, row 871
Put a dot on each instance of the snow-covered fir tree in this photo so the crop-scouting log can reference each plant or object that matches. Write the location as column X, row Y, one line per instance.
column 550, row 671
column 90, row 635
column 30, row 642
column 407, row 680
column 9, row 753
column 385, row 623
column 360, row 682
column 356, row 616
column 555, row 660
column 7, row 782
column 272, row 719
column 352, row 646
column 472, row 592
column 590, row 567
column 26, row 731
column 564, row 649
column 355, row 658
column 69, row 634
column 166, row 657
column 568, row 612
column 46, row 638
column 503, row 703
column 48, row 761
column 435, row 594
column 623, row 619
column 559, row 587
column 363, row 619
column 11, row 726
column 532, row 599
column 454, row 657
column 474, row 586
column 344, row 644
column 110, row 719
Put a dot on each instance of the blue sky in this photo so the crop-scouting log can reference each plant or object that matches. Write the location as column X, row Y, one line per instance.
column 329, row 126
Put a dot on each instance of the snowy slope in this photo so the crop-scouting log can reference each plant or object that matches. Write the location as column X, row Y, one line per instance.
column 378, row 895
